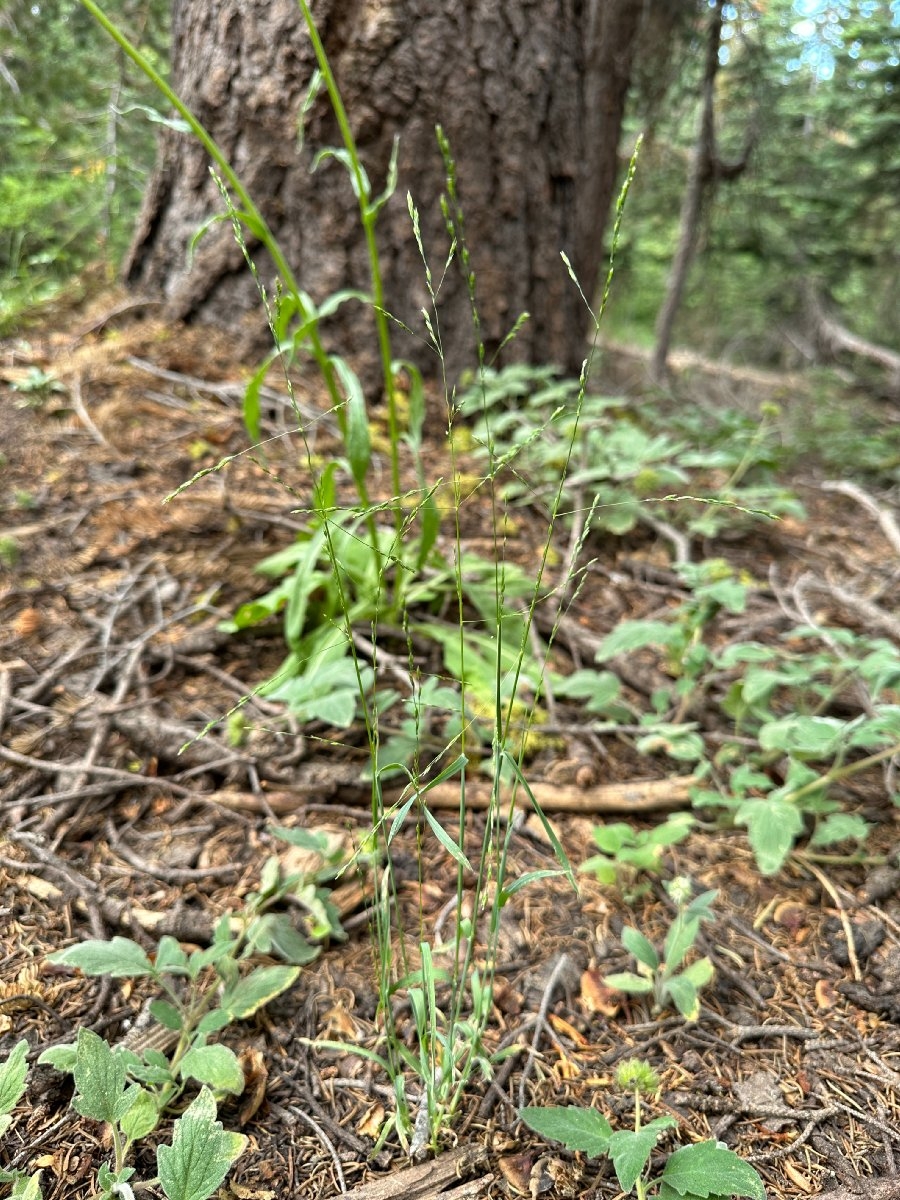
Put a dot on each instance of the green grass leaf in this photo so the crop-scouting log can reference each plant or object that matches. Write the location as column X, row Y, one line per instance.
column 201, row 1153
column 446, row 840
column 577, row 1128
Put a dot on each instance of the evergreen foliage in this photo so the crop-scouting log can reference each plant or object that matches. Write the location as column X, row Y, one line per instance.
column 818, row 96
column 77, row 142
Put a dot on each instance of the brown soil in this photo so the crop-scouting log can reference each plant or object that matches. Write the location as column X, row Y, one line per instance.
column 116, row 820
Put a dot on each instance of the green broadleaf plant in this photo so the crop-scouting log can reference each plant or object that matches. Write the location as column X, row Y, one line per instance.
column 696, row 1172
column 203, row 991
column 664, row 976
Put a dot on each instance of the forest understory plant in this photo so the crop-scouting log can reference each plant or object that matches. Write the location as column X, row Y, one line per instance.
column 357, row 570
column 664, row 976
column 706, row 1170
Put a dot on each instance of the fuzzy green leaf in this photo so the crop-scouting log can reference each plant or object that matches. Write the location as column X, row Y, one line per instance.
column 683, row 995
column 772, row 825
column 680, row 938
column 581, row 1129
column 629, row 1152
column 99, row 1075
column 709, row 1169
column 257, row 989
column 201, row 1153
column 61, row 1058
column 216, row 1066
column 27, row 1187
column 13, row 1073
column 627, row 981
column 120, row 958
column 635, row 635
column 640, row 947
column 142, row 1118
column 170, row 957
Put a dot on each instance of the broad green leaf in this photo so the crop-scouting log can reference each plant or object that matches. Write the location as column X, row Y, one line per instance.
column 745, row 652
column 167, row 1015
column 635, row 635
column 218, row 951
column 213, row 1021
column 627, row 981
column 13, row 1073
column 170, row 957
column 120, row 958
column 216, row 1066
column 629, row 1152
column 807, row 737
column 287, row 942
column 257, row 989
column 671, row 831
column 840, row 827
column 142, row 1118
column 699, row 973
column 99, row 1075
column 683, row 995
column 710, row 1169
column 306, row 839
column 612, row 837
column 599, row 688
column 773, row 826
column 201, row 1154
column 61, row 1058
column 581, row 1129
column 701, row 906
column 27, row 1187
column 642, row 949
column 881, row 729
column 680, row 938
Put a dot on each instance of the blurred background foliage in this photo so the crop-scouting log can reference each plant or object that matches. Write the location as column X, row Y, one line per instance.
column 78, row 136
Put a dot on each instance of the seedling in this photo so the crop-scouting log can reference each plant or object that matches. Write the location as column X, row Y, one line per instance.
column 662, row 976
column 191, row 1167
column 705, row 1170
column 626, row 852
column 202, row 992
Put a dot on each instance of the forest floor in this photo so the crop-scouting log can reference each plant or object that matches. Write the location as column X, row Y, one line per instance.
column 113, row 661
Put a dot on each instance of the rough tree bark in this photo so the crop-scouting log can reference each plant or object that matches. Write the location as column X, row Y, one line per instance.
column 531, row 94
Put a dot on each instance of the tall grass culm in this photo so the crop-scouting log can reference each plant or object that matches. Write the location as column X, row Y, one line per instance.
column 355, row 569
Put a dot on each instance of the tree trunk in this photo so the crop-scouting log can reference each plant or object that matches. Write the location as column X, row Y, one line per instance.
column 835, row 340
column 699, row 177
column 531, row 95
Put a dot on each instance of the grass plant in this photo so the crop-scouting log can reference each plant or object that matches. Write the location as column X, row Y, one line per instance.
column 378, row 562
